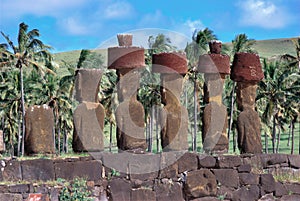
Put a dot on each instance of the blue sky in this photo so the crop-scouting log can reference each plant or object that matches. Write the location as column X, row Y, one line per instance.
column 77, row 24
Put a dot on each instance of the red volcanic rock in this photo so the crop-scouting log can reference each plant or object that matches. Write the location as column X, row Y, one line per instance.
column 215, row 47
column 125, row 57
column 246, row 67
column 124, row 39
column 214, row 63
column 169, row 63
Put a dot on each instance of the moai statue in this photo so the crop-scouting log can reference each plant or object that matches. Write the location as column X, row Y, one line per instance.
column 39, row 122
column 247, row 72
column 215, row 67
column 89, row 114
column 174, row 118
column 127, row 60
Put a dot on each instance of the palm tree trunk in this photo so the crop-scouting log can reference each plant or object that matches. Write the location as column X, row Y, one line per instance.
column 278, row 141
column 58, row 139
column 289, row 138
column 234, row 141
column 19, row 137
column 266, row 143
column 156, row 130
column 194, row 136
column 110, row 135
column 231, row 110
column 293, row 138
column 274, row 134
column 23, row 109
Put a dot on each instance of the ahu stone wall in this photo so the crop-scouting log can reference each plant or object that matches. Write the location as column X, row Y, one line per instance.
column 156, row 177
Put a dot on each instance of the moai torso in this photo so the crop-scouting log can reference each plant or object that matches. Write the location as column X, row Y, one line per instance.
column 39, row 137
column 89, row 114
column 127, row 59
column 174, row 116
column 247, row 71
column 215, row 66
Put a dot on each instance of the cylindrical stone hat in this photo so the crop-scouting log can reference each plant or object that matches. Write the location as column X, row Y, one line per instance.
column 215, row 47
column 214, row 63
column 169, row 62
column 246, row 67
column 125, row 55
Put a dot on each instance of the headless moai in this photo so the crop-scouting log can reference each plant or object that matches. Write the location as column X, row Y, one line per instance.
column 127, row 60
column 89, row 114
column 174, row 117
column 215, row 67
column 39, row 139
column 247, row 72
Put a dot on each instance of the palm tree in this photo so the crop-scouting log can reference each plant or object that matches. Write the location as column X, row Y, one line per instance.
column 278, row 95
column 242, row 43
column 29, row 52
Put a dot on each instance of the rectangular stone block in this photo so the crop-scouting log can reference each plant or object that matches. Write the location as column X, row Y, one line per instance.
column 227, row 177
column 11, row 171
column 142, row 194
column 38, row 170
column 120, row 190
column 91, row 170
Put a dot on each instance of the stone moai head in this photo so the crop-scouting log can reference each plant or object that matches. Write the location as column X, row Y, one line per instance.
column 172, row 66
column 87, row 84
column 247, row 71
column 129, row 82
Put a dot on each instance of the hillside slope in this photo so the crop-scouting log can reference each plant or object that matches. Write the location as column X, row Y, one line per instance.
column 265, row 48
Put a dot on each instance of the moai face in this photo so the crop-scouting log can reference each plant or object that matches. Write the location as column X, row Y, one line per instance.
column 246, row 94
column 172, row 88
column 129, row 83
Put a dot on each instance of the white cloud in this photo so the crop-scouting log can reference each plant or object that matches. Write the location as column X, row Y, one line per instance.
column 151, row 19
column 74, row 27
column 262, row 13
column 193, row 25
column 119, row 9
column 53, row 8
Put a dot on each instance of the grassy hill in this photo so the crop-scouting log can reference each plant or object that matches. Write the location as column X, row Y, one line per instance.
column 265, row 48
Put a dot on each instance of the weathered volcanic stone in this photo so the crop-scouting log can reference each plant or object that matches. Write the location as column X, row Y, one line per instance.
column 10, row 196
column 227, row 177
column 11, row 171
column 214, row 128
column 91, row 170
column 187, row 162
column 294, row 160
column 213, row 87
column 142, row 194
column 247, row 193
column 120, row 190
column 38, row 170
column 167, row 192
column 125, row 57
column 172, row 62
column 214, row 63
column 200, row 183
column 87, row 84
column 124, row 39
column 229, row 161
column 130, row 122
column 267, row 183
column 207, row 161
column 2, row 144
column 39, row 130
column 174, row 116
column 89, row 124
column 215, row 47
column 249, row 139
column 249, row 179
column 246, row 94
column 246, row 67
